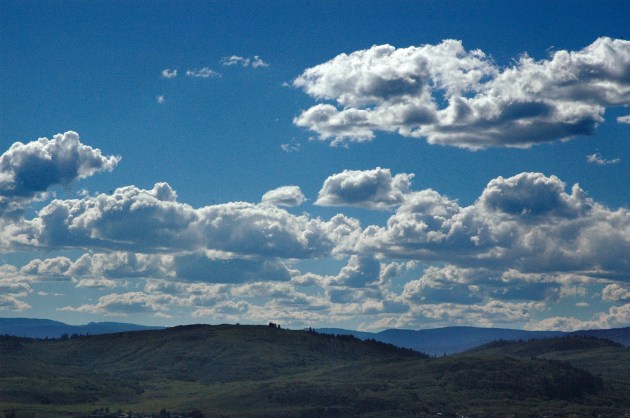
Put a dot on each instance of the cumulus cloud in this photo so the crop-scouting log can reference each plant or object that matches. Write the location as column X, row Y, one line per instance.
column 464, row 286
column 28, row 170
column 527, row 222
column 359, row 272
column 122, row 304
column 597, row 158
column 115, row 268
column 489, row 314
column 11, row 303
column 623, row 119
column 152, row 221
column 254, row 62
column 284, row 196
column 198, row 267
column 485, row 315
column 616, row 293
column 203, row 72
column 616, row 316
column 160, row 99
column 457, row 97
column 54, row 269
column 168, row 73
column 371, row 189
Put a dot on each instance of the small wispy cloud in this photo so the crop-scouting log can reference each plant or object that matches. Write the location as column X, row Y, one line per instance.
column 292, row 146
column 254, row 62
column 623, row 119
column 597, row 158
column 203, row 72
column 168, row 73
column 160, row 98
column 258, row 62
column 234, row 60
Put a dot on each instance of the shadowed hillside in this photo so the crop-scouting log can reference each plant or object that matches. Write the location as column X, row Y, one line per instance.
column 232, row 370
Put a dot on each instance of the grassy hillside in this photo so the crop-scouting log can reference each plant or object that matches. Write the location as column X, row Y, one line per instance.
column 262, row 371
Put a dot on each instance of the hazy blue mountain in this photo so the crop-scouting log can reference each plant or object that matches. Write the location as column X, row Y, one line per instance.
column 435, row 341
column 42, row 328
column 456, row 339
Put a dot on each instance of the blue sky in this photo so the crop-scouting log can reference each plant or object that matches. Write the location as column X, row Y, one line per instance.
column 354, row 164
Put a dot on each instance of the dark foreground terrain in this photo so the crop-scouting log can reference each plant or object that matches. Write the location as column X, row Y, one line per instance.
column 233, row 370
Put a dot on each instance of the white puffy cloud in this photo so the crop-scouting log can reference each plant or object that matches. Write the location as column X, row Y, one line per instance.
column 28, row 170
column 617, row 316
column 13, row 286
column 189, row 293
column 152, row 221
column 532, row 195
column 359, row 272
column 464, row 286
column 48, row 269
column 597, row 158
column 11, row 303
column 489, row 314
column 623, row 119
column 371, row 189
column 168, row 73
column 526, row 222
column 203, row 72
column 198, row 267
column 452, row 96
column 616, row 293
column 115, row 268
column 122, row 304
column 120, row 265
column 485, row 315
column 284, row 196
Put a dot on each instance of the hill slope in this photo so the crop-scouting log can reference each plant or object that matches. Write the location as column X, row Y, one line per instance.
column 262, row 371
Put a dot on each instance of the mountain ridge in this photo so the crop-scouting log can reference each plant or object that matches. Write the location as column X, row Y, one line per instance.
column 48, row 328
column 434, row 341
column 449, row 340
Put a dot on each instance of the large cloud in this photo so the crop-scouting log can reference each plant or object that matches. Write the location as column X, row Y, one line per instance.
column 527, row 222
column 27, row 170
column 151, row 221
column 371, row 189
column 115, row 268
column 452, row 96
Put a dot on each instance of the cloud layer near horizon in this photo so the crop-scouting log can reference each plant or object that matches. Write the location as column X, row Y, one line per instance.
column 525, row 242
column 458, row 97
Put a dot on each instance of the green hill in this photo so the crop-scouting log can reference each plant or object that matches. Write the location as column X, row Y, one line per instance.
column 233, row 370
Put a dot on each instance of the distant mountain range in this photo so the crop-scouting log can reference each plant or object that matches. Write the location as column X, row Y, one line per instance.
column 437, row 341
column 46, row 328
column 450, row 340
